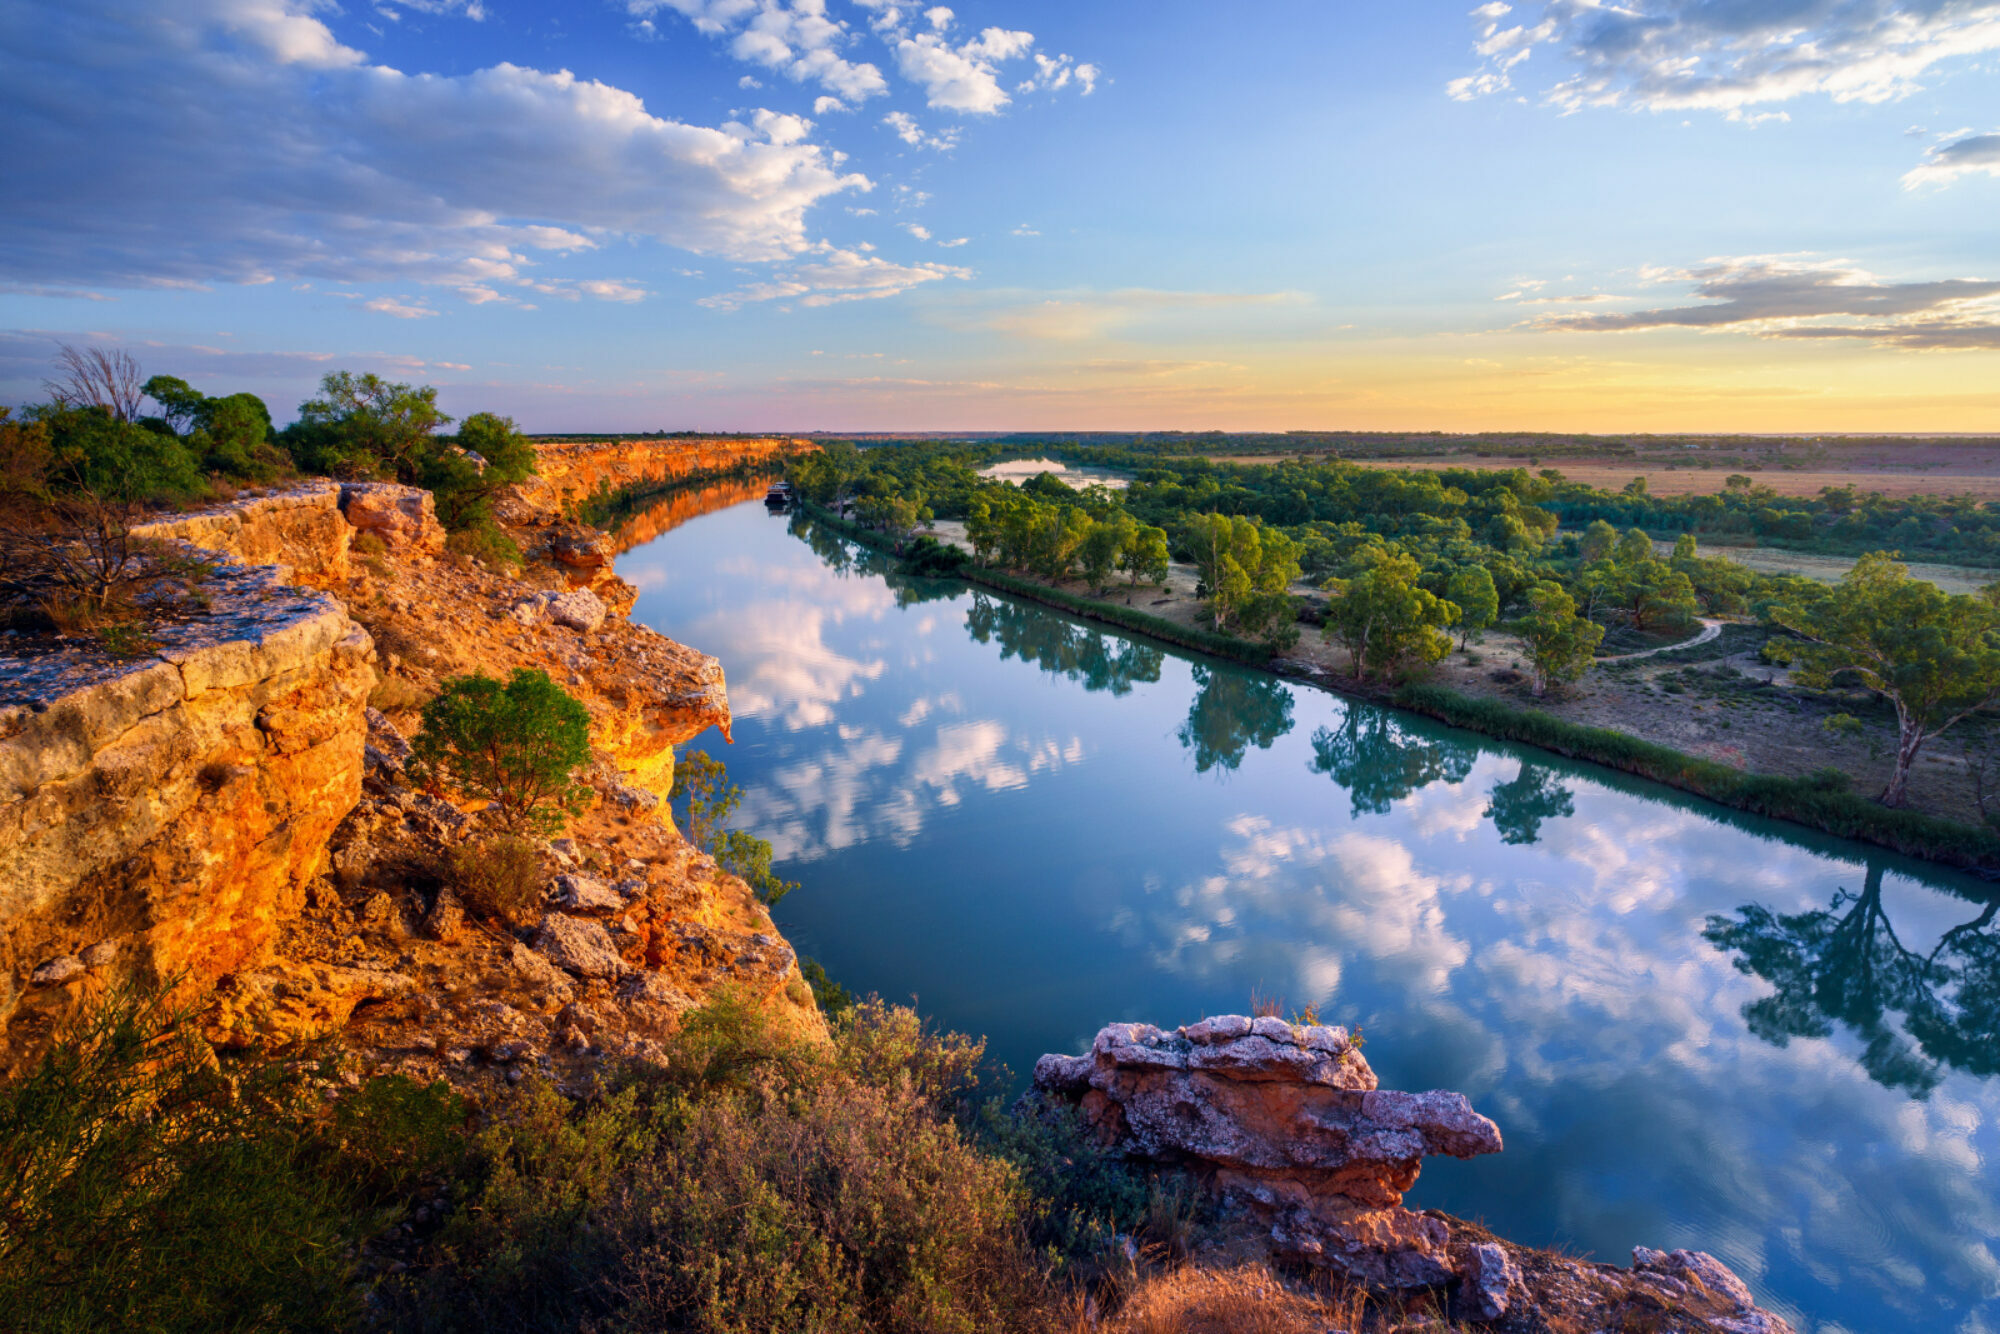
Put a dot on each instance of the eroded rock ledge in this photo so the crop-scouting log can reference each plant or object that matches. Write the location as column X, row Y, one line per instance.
column 1286, row 1126
column 229, row 811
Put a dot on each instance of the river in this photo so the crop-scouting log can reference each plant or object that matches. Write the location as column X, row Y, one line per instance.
column 1694, row 1028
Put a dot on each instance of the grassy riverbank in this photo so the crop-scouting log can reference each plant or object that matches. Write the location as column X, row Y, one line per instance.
column 1814, row 802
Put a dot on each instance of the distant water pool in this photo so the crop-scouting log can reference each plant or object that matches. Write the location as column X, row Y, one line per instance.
column 1018, row 471
column 1693, row 1028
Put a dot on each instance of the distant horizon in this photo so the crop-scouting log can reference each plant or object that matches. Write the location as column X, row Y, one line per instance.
column 1664, row 217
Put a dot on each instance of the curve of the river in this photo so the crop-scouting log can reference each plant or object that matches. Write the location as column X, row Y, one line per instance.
column 1695, row 1028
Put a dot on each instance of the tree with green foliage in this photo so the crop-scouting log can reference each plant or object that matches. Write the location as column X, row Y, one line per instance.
column 1145, row 555
column 708, row 799
column 1385, row 620
column 1598, row 542
column 1247, row 569
column 1560, row 643
column 1635, row 546
column 465, row 473
column 1656, row 594
column 1471, row 590
column 362, row 426
column 1098, row 555
column 516, row 746
column 1934, row 656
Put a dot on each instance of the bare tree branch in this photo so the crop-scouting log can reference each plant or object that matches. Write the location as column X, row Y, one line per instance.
column 97, row 377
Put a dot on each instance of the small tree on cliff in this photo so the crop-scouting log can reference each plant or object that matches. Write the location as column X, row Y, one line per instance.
column 516, row 745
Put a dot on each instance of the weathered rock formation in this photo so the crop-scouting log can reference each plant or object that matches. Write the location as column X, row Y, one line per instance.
column 228, row 811
column 1285, row 1124
column 160, row 816
column 571, row 471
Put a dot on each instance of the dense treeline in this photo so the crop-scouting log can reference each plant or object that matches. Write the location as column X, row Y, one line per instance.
column 1408, row 559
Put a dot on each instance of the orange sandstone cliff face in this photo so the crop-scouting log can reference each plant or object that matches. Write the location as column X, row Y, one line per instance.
column 568, row 472
column 232, row 813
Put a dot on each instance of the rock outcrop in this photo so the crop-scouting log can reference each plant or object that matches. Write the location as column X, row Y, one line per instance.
column 160, row 816
column 229, row 812
column 1286, row 1126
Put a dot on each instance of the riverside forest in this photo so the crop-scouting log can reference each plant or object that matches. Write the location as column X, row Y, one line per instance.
column 848, row 667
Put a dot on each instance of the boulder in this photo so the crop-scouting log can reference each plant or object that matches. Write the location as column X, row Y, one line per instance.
column 1491, row 1279
column 1288, row 1123
column 586, row 896
column 403, row 517
column 582, row 550
column 579, row 946
column 579, row 609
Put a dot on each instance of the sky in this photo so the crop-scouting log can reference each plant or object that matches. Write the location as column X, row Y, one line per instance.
column 853, row 215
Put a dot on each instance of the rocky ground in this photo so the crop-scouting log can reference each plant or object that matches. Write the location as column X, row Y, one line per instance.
column 633, row 927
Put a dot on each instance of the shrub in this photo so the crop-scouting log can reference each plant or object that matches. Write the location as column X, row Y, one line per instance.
column 141, row 1187
column 514, row 745
column 499, row 879
column 750, row 1184
column 485, row 542
column 832, row 998
column 702, row 784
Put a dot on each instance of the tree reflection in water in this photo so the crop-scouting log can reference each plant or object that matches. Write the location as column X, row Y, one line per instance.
column 1517, row 809
column 1233, row 711
column 1918, row 1013
column 1097, row 661
column 1379, row 763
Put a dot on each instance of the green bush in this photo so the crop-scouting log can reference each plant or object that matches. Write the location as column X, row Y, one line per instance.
column 485, row 542
column 142, row 1186
column 515, row 745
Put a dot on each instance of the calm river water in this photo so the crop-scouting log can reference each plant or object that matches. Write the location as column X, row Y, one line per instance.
column 1694, row 1029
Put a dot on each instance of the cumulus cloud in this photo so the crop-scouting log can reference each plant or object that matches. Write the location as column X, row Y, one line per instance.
column 830, row 276
column 1971, row 155
column 337, row 167
column 795, row 39
column 963, row 78
column 1682, row 54
column 1808, row 299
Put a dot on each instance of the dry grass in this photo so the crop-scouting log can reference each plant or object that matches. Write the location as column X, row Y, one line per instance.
column 1245, row 1300
column 1662, row 481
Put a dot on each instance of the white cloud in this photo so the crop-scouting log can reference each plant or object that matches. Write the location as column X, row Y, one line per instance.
column 402, row 310
column 1791, row 298
column 1680, row 54
column 1025, row 230
column 1972, row 155
column 790, row 37
column 334, row 167
column 918, row 230
column 607, row 290
column 823, row 105
column 964, row 78
column 954, row 243
column 911, row 133
column 939, row 17
column 832, row 276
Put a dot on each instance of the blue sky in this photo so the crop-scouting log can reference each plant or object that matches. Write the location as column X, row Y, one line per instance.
column 789, row 215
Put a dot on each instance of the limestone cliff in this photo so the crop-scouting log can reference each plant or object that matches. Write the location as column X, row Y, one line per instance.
column 570, row 471
column 159, row 817
column 229, row 811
